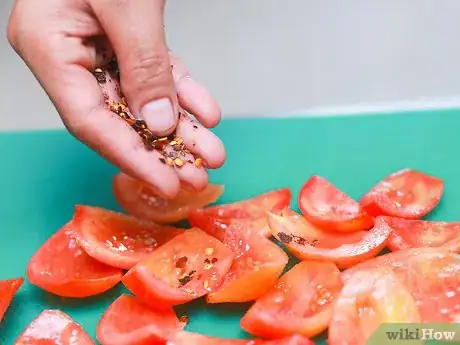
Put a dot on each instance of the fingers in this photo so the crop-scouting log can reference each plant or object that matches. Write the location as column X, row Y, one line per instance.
column 136, row 32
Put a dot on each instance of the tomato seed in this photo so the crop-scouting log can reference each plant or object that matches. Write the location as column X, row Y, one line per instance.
column 209, row 251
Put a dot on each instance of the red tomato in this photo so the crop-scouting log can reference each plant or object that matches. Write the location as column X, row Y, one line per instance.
column 421, row 233
column 406, row 194
column 128, row 321
column 53, row 327
column 369, row 299
column 63, row 268
column 258, row 264
column 140, row 200
column 331, row 209
column 187, row 338
column 431, row 274
column 307, row 242
column 299, row 303
column 8, row 289
column 216, row 219
column 188, row 267
column 116, row 239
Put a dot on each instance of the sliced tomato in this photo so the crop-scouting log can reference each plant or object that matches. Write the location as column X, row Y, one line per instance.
column 258, row 264
column 129, row 321
column 116, row 239
column 188, row 338
column 299, row 303
column 308, row 242
column 422, row 233
column 329, row 208
column 216, row 219
column 63, row 268
column 8, row 289
column 369, row 299
column 53, row 327
column 406, row 194
column 189, row 266
column 140, row 200
column 431, row 274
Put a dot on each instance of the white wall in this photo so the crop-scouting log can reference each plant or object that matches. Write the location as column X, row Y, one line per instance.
column 275, row 56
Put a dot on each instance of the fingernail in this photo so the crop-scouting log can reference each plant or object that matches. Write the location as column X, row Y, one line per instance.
column 159, row 115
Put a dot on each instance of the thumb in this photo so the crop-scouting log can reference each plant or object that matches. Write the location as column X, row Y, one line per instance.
column 136, row 32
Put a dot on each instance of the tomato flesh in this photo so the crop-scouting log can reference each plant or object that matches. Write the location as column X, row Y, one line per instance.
column 329, row 208
column 299, row 303
column 63, row 268
column 140, row 200
column 406, row 194
column 308, row 242
column 116, row 239
column 8, row 289
column 53, row 327
column 128, row 321
column 422, row 233
column 188, row 338
column 189, row 266
column 257, row 265
column 216, row 219
column 369, row 299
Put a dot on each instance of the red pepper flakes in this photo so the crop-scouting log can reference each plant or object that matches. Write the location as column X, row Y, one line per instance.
column 184, row 319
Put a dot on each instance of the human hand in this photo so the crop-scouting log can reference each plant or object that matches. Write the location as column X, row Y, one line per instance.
column 64, row 41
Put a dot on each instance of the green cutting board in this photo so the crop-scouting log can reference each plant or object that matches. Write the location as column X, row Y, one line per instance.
column 44, row 174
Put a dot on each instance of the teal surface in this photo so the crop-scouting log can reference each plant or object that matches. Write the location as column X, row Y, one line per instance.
column 44, row 174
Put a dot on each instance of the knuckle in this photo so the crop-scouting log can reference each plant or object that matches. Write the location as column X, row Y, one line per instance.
column 149, row 68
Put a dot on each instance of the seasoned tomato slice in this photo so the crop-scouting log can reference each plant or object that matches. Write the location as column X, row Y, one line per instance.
column 308, row 242
column 217, row 218
column 189, row 266
column 140, row 200
column 128, row 321
column 369, row 299
column 8, row 289
column 53, row 327
column 422, row 233
column 432, row 275
column 331, row 209
column 299, row 303
column 63, row 268
column 257, row 265
column 188, row 338
column 116, row 239
column 406, row 194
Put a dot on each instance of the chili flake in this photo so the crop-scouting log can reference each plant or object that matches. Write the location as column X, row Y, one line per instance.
column 285, row 238
column 181, row 262
column 187, row 278
column 184, row 319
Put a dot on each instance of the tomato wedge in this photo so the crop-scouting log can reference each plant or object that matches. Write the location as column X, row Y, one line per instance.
column 432, row 275
column 308, row 242
column 369, row 299
column 116, row 239
column 128, row 321
column 140, row 200
column 53, row 327
column 8, row 289
column 217, row 218
column 299, row 303
column 329, row 208
column 406, row 194
column 188, row 267
column 63, row 268
column 257, row 265
column 423, row 233
column 188, row 338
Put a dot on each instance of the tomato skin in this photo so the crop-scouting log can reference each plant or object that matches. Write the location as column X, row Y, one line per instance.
column 407, row 193
column 62, row 267
column 423, row 233
column 188, row 338
column 8, row 289
column 53, row 327
column 141, row 201
column 194, row 256
column 128, row 321
column 310, row 243
column 327, row 207
column 369, row 299
column 299, row 303
column 116, row 239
